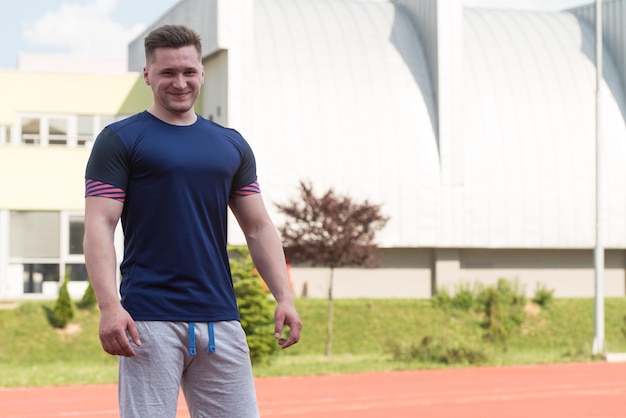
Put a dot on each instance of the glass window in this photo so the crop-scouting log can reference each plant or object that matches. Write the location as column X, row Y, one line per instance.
column 77, row 231
column 85, row 130
column 76, row 272
column 30, row 131
column 36, row 274
column 57, row 131
column 34, row 234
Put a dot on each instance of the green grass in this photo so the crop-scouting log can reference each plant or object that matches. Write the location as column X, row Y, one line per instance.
column 33, row 353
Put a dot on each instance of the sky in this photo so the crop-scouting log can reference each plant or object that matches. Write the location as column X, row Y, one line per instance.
column 104, row 28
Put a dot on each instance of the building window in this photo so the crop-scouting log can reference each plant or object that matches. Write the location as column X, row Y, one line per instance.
column 34, row 234
column 76, row 231
column 30, row 131
column 46, row 246
column 86, row 130
column 36, row 274
column 57, row 131
column 76, row 272
column 65, row 130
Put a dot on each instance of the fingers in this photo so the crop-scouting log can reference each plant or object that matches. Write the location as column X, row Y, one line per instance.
column 134, row 334
column 117, row 330
column 294, row 336
column 117, row 344
column 278, row 326
column 289, row 318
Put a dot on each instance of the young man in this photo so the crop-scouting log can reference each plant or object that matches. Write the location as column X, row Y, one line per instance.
column 170, row 175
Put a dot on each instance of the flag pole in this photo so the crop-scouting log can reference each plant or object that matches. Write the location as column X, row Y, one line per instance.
column 598, row 347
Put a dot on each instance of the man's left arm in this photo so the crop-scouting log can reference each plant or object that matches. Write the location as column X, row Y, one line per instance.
column 267, row 254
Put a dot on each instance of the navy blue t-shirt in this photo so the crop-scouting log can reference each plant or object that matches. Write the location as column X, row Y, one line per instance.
column 175, row 182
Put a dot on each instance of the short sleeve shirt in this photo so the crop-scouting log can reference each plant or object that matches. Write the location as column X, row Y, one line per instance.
column 176, row 183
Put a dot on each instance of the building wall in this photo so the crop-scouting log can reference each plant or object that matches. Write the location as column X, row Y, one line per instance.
column 215, row 89
column 419, row 273
column 613, row 34
column 46, row 132
column 42, row 178
column 440, row 26
column 529, row 132
column 62, row 93
column 361, row 96
column 342, row 96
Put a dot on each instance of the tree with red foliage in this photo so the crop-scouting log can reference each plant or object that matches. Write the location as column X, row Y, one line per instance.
column 331, row 231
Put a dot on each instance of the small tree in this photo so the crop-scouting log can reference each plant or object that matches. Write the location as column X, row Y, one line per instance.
column 63, row 311
column 255, row 306
column 332, row 231
column 88, row 301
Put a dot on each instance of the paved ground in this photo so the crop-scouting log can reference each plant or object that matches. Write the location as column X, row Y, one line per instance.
column 584, row 390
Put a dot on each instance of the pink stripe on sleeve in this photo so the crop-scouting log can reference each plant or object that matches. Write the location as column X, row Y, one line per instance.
column 100, row 189
column 248, row 190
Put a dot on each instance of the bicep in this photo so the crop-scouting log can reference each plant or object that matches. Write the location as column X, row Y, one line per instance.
column 102, row 212
column 250, row 212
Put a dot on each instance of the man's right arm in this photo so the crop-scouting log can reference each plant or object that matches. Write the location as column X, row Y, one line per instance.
column 101, row 217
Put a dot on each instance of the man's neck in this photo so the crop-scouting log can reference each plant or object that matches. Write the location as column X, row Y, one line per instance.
column 178, row 119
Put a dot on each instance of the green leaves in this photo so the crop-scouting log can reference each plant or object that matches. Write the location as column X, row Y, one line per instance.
column 255, row 305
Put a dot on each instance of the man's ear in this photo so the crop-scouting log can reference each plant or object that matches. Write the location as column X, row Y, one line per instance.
column 146, row 78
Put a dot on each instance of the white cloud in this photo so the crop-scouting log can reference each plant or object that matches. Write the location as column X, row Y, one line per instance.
column 84, row 29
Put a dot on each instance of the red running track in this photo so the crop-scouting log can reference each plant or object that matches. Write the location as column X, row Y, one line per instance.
column 581, row 390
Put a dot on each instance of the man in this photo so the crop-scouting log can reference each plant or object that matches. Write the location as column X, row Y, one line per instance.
column 170, row 175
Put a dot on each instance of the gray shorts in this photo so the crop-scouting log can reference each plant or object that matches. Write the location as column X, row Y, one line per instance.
column 210, row 362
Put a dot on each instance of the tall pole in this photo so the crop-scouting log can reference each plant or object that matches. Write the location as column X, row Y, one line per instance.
column 598, row 254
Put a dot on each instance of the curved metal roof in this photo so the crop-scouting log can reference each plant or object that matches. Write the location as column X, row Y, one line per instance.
column 529, row 131
column 344, row 99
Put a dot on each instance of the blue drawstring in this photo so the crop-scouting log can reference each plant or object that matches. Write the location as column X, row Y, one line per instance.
column 211, row 347
column 192, row 339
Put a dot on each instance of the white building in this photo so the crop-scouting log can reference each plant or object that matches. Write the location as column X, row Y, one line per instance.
column 475, row 130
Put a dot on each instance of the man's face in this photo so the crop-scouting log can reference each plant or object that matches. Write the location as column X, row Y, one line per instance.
column 175, row 76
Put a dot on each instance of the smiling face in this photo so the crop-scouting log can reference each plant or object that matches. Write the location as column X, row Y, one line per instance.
column 175, row 76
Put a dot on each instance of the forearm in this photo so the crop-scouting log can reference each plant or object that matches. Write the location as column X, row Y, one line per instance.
column 268, row 257
column 101, row 263
column 267, row 254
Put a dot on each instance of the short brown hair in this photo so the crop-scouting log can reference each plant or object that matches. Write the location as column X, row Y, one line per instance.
column 171, row 36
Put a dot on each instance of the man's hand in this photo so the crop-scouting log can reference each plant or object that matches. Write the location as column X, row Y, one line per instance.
column 116, row 325
column 285, row 314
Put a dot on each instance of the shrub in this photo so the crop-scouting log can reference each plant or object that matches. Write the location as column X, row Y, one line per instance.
column 431, row 351
column 88, row 301
column 442, row 299
column 503, row 306
column 255, row 306
column 63, row 311
column 543, row 296
column 495, row 314
column 465, row 297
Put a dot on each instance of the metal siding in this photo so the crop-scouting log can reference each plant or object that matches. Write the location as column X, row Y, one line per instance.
column 613, row 32
column 530, row 91
column 200, row 15
column 342, row 94
column 614, row 57
column 424, row 16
